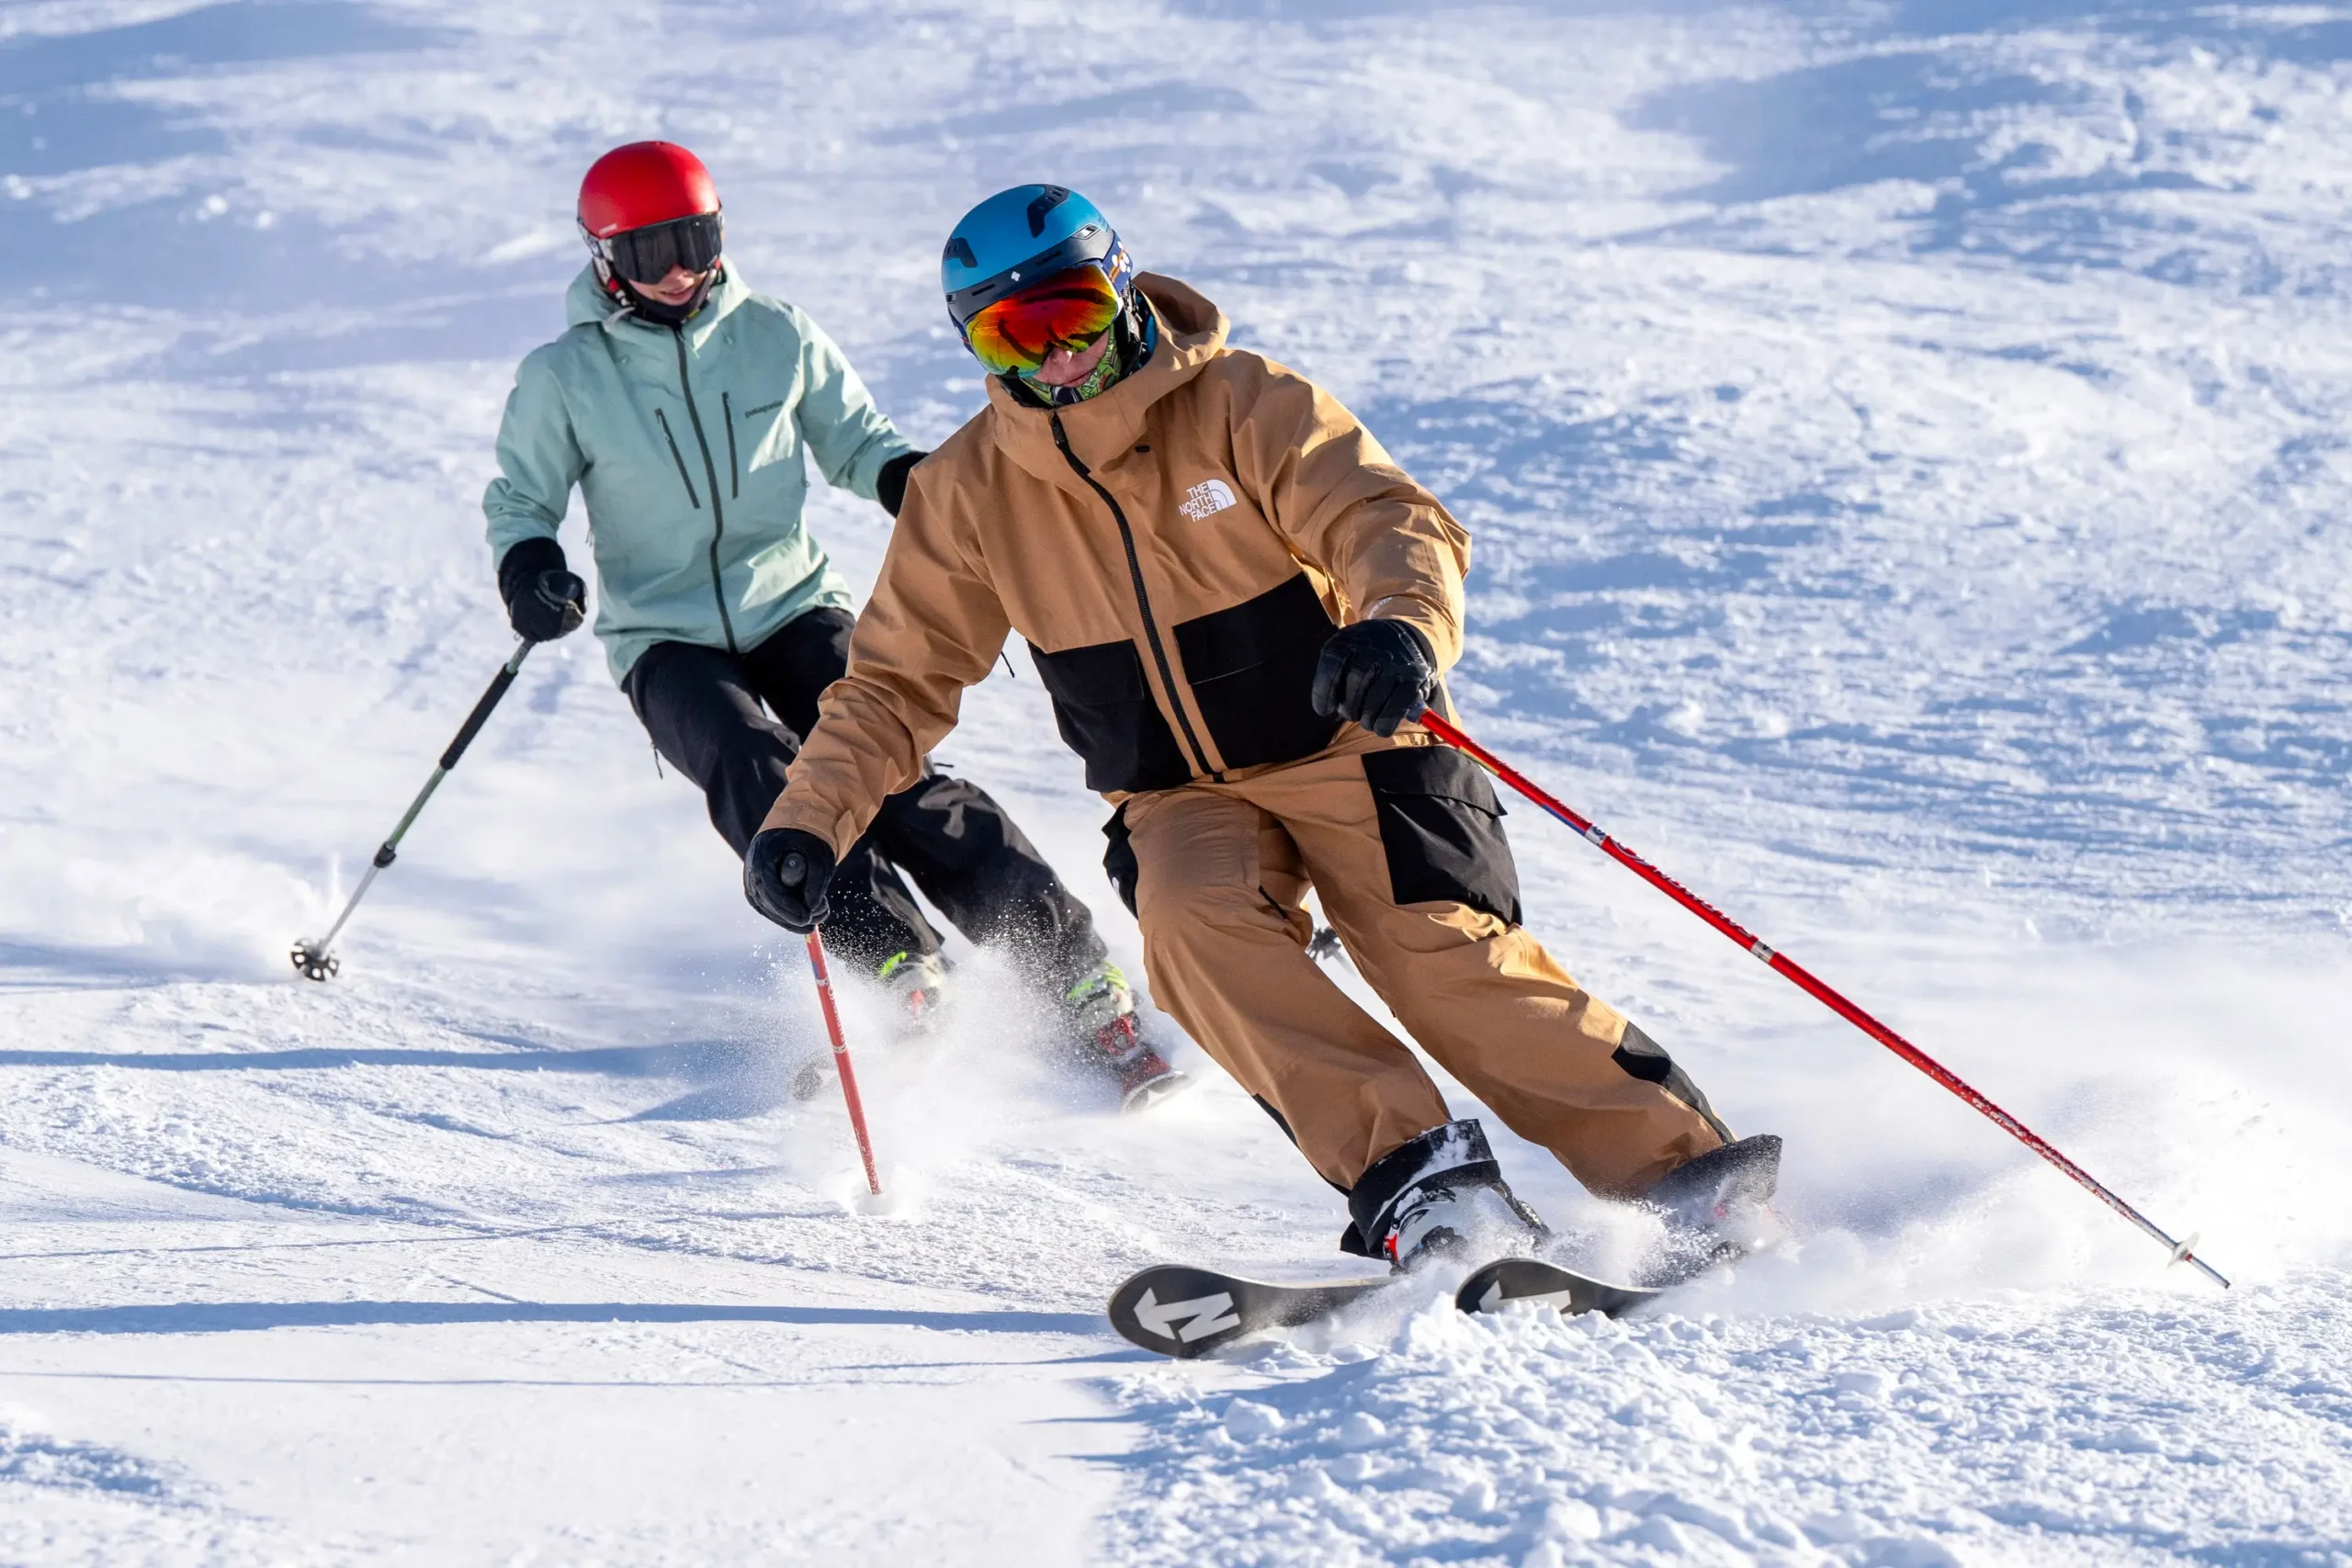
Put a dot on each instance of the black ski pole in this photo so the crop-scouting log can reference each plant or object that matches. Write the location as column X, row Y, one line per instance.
column 315, row 959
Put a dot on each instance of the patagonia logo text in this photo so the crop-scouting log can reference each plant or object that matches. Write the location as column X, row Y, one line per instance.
column 763, row 407
column 1207, row 496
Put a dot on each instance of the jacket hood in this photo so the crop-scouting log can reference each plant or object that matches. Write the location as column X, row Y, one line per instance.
column 1191, row 332
column 586, row 303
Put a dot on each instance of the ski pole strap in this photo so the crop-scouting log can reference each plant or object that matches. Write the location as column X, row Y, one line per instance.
column 481, row 715
column 1805, row 981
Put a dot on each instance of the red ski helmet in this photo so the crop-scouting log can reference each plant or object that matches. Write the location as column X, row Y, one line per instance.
column 648, row 207
column 643, row 184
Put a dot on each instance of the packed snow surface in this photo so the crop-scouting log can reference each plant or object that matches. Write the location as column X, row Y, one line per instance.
column 1906, row 448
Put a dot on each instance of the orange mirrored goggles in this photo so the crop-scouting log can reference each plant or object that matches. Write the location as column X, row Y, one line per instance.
column 1070, row 310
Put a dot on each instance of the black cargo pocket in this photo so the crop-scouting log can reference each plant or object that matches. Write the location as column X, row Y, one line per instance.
column 1442, row 828
column 1106, row 715
column 1645, row 1059
column 1251, row 667
column 1119, row 860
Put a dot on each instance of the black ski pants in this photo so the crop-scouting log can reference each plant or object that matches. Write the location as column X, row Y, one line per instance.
column 702, row 706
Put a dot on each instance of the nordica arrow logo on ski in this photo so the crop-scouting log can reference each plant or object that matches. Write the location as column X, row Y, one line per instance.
column 1170, row 1308
column 1201, row 1317
column 1494, row 1297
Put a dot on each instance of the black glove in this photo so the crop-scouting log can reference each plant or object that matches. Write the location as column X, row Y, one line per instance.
column 891, row 484
column 1376, row 674
column 785, row 875
column 544, row 601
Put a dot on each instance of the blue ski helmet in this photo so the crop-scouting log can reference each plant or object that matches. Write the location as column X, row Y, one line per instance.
column 1020, row 236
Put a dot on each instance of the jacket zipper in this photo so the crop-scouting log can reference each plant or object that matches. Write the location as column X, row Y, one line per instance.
column 734, row 475
column 710, row 471
column 679, row 457
column 1143, row 601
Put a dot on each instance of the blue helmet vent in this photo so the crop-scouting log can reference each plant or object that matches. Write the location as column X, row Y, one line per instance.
column 1048, row 200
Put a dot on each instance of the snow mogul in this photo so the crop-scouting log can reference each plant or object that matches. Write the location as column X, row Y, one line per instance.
column 686, row 407
column 1238, row 603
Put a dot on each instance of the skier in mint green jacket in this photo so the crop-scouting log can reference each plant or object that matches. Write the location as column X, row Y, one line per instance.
column 684, row 407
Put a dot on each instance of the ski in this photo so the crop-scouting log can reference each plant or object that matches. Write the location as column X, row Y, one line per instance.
column 1508, row 1279
column 1176, row 1311
column 1173, row 1310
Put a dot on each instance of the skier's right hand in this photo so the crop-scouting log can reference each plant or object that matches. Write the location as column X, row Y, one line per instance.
column 544, row 600
column 785, row 875
column 1376, row 674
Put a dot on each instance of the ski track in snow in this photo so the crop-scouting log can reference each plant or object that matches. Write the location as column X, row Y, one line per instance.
column 1906, row 447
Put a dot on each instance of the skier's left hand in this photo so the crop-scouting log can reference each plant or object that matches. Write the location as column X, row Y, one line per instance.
column 1376, row 674
column 890, row 485
column 785, row 875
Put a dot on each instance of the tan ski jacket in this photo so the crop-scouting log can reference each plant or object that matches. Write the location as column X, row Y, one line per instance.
column 1175, row 550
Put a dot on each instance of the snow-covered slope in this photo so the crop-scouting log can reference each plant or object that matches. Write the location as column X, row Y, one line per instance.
column 1905, row 446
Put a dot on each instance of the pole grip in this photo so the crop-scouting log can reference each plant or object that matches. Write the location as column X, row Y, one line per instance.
column 481, row 715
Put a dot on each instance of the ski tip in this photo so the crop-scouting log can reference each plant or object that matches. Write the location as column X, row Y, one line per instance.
column 1172, row 1310
column 1510, row 1279
column 1153, row 1091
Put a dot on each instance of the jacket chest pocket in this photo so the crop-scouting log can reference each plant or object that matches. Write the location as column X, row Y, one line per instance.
column 760, row 424
column 670, row 431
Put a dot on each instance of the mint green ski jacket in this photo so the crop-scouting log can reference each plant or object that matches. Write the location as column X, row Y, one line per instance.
column 688, row 448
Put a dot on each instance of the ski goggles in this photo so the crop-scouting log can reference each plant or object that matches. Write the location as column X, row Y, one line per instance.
column 652, row 253
column 1070, row 310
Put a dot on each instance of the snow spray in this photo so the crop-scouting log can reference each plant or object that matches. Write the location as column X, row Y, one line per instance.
column 1805, row 981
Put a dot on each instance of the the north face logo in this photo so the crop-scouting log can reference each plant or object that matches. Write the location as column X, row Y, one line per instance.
column 1207, row 496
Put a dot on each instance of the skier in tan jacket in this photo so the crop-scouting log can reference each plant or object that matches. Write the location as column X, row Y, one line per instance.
column 1237, row 602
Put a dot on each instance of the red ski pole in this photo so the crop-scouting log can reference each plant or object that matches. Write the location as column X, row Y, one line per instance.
column 840, row 1061
column 1804, row 980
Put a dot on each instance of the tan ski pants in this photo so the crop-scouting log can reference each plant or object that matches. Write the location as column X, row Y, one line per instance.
column 1220, row 871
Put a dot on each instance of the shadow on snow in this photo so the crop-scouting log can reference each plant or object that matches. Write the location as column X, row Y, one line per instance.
column 234, row 1317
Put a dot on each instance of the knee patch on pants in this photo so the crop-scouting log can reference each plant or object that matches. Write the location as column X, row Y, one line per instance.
column 1645, row 1059
column 1441, row 828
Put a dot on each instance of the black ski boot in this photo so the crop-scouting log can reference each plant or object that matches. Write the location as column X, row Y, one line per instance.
column 1717, row 1207
column 1439, row 1196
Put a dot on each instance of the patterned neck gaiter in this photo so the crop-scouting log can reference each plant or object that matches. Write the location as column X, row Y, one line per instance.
column 1105, row 374
column 1130, row 350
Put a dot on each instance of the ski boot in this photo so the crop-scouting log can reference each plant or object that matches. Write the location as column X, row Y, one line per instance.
column 1717, row 1208
column 1440, row 1197
column 1101, row 1012
column 916, row 987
